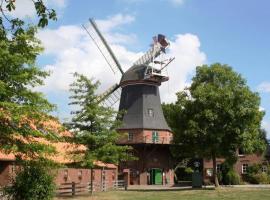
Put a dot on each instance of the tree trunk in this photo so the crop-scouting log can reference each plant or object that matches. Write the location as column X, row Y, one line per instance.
column 215, row 178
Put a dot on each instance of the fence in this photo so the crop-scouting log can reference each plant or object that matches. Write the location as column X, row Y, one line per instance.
column 72, row 189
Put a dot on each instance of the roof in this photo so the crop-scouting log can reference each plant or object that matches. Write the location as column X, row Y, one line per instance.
column 136, row 100
column 134, row 73
column 63, row 149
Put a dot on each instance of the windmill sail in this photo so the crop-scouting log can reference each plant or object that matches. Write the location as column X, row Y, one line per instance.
column 111, row 96
column 103, row 47
column 159, row 46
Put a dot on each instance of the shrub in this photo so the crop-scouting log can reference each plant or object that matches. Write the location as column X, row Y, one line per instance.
column 231, row 178
column 189, row 170
column 34, row 181
column 256, row 176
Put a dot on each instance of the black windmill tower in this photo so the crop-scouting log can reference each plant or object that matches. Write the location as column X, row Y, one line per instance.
column 143, row 123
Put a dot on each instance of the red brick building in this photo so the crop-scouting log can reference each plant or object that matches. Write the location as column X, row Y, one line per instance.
column 241, row 165
column 102, row 173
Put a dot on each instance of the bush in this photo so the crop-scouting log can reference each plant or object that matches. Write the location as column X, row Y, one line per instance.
column 256, row 176
column 33, row 182
column 231, row 178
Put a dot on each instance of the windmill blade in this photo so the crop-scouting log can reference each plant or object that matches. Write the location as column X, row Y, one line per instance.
column 103, row 47
column 159, row 46
column 111, row 96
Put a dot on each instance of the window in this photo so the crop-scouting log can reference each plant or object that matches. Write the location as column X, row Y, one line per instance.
column 130, row 136
column 244, row 168
column 218, row 168
column 80, row 174
column 66, row 175
column 113, row 176
column 155, row 137
column 264, row 168
column 209, row 172
column 150, row 112
column 240, row 152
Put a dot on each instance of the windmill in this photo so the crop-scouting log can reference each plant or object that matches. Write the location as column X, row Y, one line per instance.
column 143, row 119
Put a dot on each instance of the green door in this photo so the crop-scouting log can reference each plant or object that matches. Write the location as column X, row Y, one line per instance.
column 158, row 177
column 155, row 177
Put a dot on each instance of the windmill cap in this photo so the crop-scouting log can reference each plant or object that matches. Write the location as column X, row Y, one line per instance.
column 162, row 40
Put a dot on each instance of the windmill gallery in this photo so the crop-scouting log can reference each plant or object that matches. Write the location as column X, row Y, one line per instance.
column 143, row 121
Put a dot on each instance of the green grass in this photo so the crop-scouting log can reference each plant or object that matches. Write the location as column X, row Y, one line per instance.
column 230, row 194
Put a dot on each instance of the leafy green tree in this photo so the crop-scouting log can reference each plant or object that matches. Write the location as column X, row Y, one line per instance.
column 94, row 125
column 23, row 111
column 216, row 115
column 17, row 25
column 34, row 182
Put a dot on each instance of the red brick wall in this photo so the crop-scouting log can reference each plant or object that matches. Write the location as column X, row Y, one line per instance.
column 64, row 175
column 69, row 175
column 145, row 136
column 242, row 159
column 5, row 173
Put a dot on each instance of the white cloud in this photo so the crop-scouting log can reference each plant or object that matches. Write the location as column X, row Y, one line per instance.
column 264, row 87
column 186, row 50
column 174, row 2
column 75, row 52
column 261, row 108
column 114, row 21
column 26, row 8
column 266, row 126
column 177, row 2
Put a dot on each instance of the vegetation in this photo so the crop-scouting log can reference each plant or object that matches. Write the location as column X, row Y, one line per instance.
column 204, row 194
column 34, row 182
column 256, row 175
column 215, row 116
column 23, row 111
column 94, row 125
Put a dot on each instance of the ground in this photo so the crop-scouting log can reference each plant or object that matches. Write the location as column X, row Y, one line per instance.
column 204, row 194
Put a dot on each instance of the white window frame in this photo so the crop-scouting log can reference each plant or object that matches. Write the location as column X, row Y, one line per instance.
column 130, row 136
column 264, row 169
column 209, row 172
column 155, row 136
column 244, row 168
column 240, row 154
column 150, row 112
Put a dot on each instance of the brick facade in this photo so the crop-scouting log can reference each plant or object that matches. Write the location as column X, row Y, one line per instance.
column 64, row 175
column 150, row 156
column 145, row 136
column 248, row 159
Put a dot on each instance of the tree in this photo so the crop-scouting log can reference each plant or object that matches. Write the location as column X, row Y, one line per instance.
column 34, row 182
column 16, row 25
column 22, row 110
column 217, row 115
column 94, row 125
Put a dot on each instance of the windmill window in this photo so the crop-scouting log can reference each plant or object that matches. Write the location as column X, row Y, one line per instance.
column 150, row 112
column 130, row 136
column 155, row 136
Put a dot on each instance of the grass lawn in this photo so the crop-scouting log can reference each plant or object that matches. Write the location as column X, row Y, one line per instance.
column 223, row 193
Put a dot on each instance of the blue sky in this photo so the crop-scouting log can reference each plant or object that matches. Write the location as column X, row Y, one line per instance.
column 227, row 31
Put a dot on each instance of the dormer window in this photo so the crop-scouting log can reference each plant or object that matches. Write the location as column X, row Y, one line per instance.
column 241, row 152
column 150, row 112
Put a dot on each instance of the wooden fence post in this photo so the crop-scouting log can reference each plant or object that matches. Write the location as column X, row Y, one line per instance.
column 73, row 188
column 91, row 182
